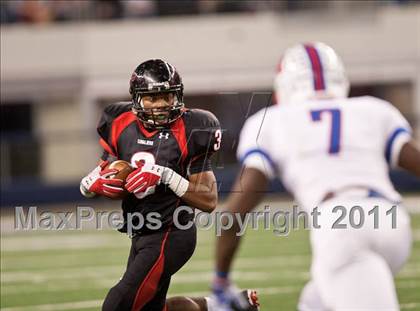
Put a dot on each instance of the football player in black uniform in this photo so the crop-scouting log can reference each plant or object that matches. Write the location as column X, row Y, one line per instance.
column 170, row 147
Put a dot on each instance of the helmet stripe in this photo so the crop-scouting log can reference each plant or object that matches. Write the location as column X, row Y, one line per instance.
column 169, row 67
column 319, row 83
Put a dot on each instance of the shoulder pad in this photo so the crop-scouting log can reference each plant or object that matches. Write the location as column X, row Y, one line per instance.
column 110, row 113
column 199, row 118
column 115, row 109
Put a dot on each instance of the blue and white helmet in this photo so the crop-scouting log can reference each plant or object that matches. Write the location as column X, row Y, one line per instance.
column 307, row 71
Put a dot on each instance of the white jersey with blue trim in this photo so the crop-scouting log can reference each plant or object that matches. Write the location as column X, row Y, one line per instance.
column 322, row 146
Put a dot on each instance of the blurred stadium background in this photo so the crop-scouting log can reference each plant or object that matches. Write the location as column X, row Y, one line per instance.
column 63, row 61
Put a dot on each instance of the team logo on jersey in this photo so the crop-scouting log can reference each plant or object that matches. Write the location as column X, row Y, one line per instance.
column 162, row 135
column 145, row 142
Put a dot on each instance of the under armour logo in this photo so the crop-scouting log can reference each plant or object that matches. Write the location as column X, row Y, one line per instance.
column 166, row 135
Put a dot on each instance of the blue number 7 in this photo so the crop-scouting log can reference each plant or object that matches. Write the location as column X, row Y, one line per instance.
column 335, row 127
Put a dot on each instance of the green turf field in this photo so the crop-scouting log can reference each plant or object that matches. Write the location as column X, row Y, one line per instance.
column 72, row 270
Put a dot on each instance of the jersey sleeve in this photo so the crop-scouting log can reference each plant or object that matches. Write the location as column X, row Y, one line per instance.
column 397, row 132
column 254, row 146
column 205, row 137
column 104, row 129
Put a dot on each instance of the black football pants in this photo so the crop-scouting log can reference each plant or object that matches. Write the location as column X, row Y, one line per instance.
column 153, row 259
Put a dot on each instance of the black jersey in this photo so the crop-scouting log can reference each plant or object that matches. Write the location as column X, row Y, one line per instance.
column 185, row 146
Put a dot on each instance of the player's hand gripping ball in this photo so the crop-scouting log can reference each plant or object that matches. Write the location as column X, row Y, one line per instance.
column 122, row 170
column 143, row 181
column 106, row 180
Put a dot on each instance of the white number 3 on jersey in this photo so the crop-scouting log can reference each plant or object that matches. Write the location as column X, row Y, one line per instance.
column 218, row 137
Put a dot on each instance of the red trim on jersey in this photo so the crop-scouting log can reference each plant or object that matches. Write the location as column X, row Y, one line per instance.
column 106, row 147
column 144, row 131
column 119, row 124
column 316, row 64
column 178, row 130
column 148, row 287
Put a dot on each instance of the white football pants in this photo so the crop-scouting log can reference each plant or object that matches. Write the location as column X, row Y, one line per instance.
column 353, row 268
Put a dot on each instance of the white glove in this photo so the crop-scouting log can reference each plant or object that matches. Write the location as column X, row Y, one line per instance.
column 143, row 181
column 100, row 181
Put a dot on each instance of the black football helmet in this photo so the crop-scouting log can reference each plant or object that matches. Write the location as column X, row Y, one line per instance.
column 156, row 76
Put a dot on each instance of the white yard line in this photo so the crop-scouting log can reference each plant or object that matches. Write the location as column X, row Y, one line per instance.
column 254, row 262
column 410, row 305
column 409, row 272
column 416, row 234
column 205, row 277
column 200, row 268
column 62, row 242
column 194, row 265
column 58, row 306
column 96, row 303
column 261, row 291
column 185, row 277
column 106, row 277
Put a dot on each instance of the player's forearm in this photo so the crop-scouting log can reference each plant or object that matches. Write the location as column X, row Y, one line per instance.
column 201, row 196
column 410, row 158
column 199, row 190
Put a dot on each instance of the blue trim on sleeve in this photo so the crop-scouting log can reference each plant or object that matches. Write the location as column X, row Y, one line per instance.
column 390, row 142
column 263, row 153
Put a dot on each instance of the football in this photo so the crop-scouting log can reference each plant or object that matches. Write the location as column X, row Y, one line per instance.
column 124, row 169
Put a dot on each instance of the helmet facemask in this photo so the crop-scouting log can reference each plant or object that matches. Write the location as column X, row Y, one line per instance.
column 158, row 117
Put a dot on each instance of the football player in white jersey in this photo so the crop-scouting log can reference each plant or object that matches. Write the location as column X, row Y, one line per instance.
column 332, row 152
